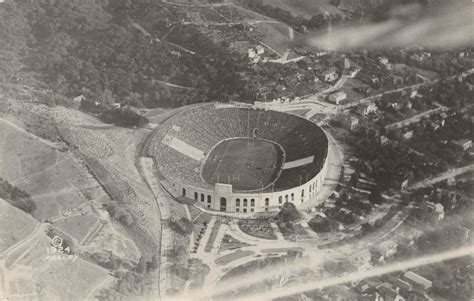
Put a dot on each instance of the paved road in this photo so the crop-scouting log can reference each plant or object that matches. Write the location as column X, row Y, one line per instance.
column 450, row 174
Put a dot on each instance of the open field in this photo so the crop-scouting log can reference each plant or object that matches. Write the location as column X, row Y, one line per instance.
column 55, row 180
column 10, row 218
column 247, row 164
column 110, row 239
column 233, row 256
column 77, row 226
column 212, row 237
column 68, row 279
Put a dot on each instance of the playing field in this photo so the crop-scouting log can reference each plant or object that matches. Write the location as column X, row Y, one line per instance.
column 246, row 163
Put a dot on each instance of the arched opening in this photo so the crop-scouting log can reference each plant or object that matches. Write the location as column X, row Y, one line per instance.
column 196, row 195
column 209, row 199
column 286, row 198
column 245, row 202
column 237, row 202
column 267, row 202
column 202, row 197
column 292, row 197
column 280, row 199
column 252, row 202
column 223, row 206
column 184, row 191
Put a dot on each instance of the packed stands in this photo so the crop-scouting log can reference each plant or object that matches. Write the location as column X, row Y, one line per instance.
column 205, row 126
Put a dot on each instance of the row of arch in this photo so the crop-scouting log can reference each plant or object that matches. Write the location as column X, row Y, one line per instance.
column 249, row 204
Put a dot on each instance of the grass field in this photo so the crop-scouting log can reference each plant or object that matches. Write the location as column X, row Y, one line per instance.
column 247, row 164
column 10, row 218
column 233, row 256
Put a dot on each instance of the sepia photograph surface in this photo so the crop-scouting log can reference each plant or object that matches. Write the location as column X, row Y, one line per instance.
column 203, row 150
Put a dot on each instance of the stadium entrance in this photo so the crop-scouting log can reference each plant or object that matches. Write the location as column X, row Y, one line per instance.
column 223, row 204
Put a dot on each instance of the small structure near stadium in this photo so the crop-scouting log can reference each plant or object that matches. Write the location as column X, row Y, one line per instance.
column 241, row 160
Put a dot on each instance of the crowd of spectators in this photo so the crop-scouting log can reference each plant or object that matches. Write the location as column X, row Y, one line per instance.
column 205, row 126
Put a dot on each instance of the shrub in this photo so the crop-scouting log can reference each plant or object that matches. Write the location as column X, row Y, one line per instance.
column 182, row 226
column 320, row 224
column 16, row 197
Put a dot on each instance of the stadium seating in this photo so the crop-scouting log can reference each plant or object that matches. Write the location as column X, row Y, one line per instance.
column 204, row 126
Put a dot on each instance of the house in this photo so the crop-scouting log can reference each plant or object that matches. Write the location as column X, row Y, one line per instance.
column 353, row 123
column 79, row 98
column 384, row 140
column 463, row 144
column 404, row 184
column 330, row 75
column 383, row 60
column 417, row 295
column 386, row 292
column 434, row 211
column 434, row 125
column 259, row 49
column 347, row 63
column 371, row 108
column 407, row 135
column 417, row 280
column 337, row 97
column 396, row 106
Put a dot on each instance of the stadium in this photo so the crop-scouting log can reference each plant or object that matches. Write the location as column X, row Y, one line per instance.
column 239, row 159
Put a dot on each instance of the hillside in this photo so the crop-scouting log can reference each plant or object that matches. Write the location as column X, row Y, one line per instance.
column 77, row 47
column 78, row 179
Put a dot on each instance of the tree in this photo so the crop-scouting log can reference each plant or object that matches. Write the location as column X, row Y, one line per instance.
column 142, row 265
column 320, row 224
column 375, row 197
column 288, row 212
column 16, row 197
column 153, row 264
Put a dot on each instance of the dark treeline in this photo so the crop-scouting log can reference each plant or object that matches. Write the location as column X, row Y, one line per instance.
column 16, row 197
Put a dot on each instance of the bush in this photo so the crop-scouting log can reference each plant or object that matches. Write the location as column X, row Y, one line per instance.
column 320, row 224
column 288, row 213
column 120, row 214
column 123, row 117
column 182, row 226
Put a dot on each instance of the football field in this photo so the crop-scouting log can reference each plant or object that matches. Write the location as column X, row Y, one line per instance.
column 246, row 163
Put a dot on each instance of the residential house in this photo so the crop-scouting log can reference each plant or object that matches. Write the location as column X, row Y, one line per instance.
column 433, row 211
column 384, row 140
column 370, row 109
column 417, row 281
column 463, row 144
column 77, row 99
column 330, row 75
column 407, row 135
column 337, row 97
column 386, row 292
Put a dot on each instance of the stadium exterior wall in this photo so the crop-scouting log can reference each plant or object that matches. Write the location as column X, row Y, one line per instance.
column 222, row 198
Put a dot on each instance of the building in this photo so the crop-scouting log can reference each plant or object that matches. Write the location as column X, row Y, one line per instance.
column 433, row 211
column 386, row 292
column 186, row 157
column 407, row 135
column 337, row 97
column 417, row 280
column 330, row 75
column 371, row 109
column 463, row 144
